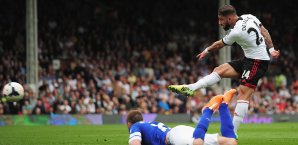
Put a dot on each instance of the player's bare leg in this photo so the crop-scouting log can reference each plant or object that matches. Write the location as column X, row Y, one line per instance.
column 223, row 71
column 242, row 105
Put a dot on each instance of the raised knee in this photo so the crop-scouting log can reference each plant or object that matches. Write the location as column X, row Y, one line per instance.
column 218, row 70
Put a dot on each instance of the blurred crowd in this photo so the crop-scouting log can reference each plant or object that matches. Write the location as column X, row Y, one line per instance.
column 109, row 57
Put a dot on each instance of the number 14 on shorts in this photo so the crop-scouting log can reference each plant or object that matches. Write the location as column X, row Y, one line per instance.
column 245, row 74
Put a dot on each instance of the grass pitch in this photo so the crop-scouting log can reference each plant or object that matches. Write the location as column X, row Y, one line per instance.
column 249, row 134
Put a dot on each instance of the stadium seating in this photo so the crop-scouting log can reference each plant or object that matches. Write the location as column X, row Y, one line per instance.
column 115, row 56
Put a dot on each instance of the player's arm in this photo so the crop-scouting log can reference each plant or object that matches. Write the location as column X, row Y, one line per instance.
column 229, row 39
column 135, row 142
column 274, row 53
column 215, row 46
column 135, row 136
column 267, row 36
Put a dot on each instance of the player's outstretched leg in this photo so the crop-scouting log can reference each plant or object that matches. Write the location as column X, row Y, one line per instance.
column 202, row 83
column 203, row 124
column 227, row 127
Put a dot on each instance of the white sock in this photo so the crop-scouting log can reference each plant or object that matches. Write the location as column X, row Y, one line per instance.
column 205, row 81
column 239, row 113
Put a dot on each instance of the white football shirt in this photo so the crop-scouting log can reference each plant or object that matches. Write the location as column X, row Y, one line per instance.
column 247, row 34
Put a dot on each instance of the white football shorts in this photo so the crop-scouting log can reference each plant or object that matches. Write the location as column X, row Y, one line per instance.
column 183, row 135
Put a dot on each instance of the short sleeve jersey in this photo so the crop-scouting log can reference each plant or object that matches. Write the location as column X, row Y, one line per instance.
column 149, row 133
column 247, row 34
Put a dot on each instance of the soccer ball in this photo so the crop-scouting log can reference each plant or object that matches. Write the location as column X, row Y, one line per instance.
column 13, row 91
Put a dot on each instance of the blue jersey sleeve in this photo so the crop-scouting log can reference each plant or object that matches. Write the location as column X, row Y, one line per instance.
column 148, row 133
column 135, row 133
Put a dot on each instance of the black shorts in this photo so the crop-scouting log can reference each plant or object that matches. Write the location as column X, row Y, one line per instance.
column 251, row 70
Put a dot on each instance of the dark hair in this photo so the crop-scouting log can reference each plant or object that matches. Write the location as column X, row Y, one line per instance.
column 134, row 116
column 227, row 10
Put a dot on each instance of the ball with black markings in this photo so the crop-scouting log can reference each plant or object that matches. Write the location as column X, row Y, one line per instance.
column 13, row 92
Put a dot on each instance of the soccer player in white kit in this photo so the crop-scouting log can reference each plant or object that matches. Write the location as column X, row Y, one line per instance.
column 252, row 36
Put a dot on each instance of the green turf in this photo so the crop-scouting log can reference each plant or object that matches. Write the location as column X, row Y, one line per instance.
column 249, row 134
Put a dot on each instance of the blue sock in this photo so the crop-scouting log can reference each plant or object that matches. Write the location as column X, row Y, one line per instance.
column 226, row 127
column 202, row 126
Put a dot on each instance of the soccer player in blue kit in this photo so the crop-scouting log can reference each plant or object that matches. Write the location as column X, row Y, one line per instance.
column 157, row 133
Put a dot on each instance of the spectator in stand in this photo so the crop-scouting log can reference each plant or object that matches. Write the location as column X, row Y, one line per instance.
column 27, row 108
column 127, row 58
column 65, row 108
column 39, row 108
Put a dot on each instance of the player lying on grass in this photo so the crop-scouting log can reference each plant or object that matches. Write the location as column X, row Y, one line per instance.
column 156, row 133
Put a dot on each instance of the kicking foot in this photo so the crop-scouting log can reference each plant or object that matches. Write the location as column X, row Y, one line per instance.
column 181, row 89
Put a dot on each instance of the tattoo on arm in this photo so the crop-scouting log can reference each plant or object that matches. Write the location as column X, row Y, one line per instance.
column 267, row 37
column 216, row 45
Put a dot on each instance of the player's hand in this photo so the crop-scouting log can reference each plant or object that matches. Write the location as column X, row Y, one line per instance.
column 201, row 55
column 275, row 53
